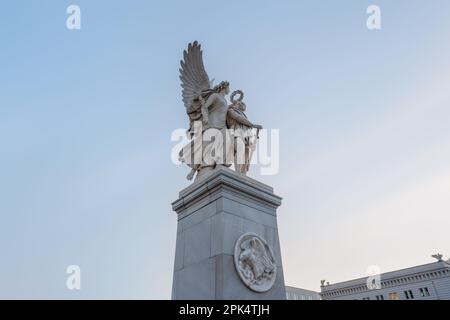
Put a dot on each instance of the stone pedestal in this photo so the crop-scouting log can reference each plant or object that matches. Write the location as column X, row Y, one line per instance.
column 213, row 213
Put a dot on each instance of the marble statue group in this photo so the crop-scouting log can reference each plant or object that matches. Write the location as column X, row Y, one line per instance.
column 220, row 133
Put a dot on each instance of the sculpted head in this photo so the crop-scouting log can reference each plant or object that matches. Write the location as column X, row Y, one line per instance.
column 241, row 106
column 223, row 87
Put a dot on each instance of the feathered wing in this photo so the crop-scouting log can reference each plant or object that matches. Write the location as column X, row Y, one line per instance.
column 264, row 256
column 194, row 80
column 193, row 76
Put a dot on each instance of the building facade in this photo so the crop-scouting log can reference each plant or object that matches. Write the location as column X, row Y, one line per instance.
column 424, row 282
column 301, row 294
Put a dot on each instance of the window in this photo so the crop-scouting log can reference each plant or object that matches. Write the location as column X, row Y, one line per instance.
column 409, row 295
column 367, row 298
column 394, row 296
column 380, row 297
column 424, row 292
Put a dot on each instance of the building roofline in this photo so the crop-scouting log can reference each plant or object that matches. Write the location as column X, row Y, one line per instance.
column 297, row 288
column 388, row 275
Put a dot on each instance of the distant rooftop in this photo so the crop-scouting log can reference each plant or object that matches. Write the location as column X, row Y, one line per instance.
column 411, row 272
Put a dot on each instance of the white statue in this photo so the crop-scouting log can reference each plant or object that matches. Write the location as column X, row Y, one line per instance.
column 212, row 143
column 244, row 137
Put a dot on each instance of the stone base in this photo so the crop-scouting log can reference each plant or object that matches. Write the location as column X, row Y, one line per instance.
column 213, row 213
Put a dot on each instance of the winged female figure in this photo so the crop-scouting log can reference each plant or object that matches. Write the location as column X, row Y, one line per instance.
column 209, row 118
column 207, row 110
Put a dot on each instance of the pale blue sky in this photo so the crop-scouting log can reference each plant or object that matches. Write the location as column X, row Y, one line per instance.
column 86, row 118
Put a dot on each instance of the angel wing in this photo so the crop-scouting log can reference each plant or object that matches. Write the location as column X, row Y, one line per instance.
column 193, row 76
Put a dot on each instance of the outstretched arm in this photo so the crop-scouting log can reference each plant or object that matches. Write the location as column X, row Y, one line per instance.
column 241, row 119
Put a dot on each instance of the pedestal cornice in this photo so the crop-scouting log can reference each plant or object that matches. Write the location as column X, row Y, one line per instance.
column 223, row 179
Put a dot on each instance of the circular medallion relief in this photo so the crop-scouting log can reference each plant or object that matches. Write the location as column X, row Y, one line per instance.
column 254, row 262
